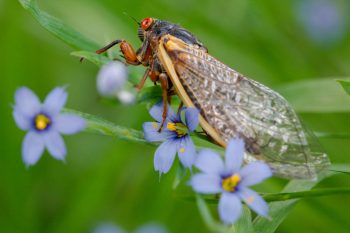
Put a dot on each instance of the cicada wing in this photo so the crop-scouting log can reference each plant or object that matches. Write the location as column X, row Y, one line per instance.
column 232, row 105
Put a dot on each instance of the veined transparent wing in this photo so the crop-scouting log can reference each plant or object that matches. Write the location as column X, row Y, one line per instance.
column 232, row 105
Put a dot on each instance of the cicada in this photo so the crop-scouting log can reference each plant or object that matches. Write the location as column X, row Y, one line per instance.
column 231, row 105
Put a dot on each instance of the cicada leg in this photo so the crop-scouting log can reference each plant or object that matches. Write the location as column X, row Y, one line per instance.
column 140, row 85
column 163, row 80
column 126, row 49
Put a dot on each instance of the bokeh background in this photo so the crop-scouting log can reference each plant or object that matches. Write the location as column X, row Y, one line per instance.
column 274, row 42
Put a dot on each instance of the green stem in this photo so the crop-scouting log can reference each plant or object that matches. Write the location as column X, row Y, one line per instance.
column 305, row 194
column 332, row 135
column 272, row 197
column 100, row 126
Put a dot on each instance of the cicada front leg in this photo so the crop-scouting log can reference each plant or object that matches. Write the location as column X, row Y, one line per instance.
column 127, row 50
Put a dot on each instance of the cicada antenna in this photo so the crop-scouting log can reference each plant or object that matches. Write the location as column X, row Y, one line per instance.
column 133, row 18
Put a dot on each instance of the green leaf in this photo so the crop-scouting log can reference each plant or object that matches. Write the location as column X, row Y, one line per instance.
column 340, row 168
column 149, row 95
column 305, row 194
column 211, row 223
column 345, row 85
column 95, row 58
column 244, row 223
column 316, row 95
column 180, row 174
column 280, row 209
column 100, row 126
column 332, row 135
column 58, row 28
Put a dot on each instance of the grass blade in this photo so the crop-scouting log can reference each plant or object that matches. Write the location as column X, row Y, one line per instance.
column 58, row 28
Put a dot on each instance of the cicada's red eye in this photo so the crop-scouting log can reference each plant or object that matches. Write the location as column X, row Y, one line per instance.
column 146, row 23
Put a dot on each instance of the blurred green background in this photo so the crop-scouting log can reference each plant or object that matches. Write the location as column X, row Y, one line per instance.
column 274, row 42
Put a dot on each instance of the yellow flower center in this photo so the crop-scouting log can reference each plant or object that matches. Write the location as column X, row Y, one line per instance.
column 171, row 126
column 230, row 183
column 41, row 122
column 180, row 129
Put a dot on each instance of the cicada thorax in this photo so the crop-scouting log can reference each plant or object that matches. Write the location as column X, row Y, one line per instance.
column 233, row 106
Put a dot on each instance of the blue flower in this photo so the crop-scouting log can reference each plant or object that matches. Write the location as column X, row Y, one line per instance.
column 175, row 137
column 111, row 78
column 108, row 228
column 147, row 228
column 231, row 181
column 324, row 20
column 112, row 82
column 44, row 123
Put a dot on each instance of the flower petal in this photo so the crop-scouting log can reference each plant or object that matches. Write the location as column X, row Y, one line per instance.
column 254, row 201
column 186, row 151
column 151, row 228
column 126, row 97
column 150, row 130
column 32, row 148
column 209, row 162
column 157, row 111
column 254, row 173
column 164, row 156
column 23, row 122
column 108, row 228
column 27, row 102
column 230, row 208
column 234, row 154
column 69, row 124
column 55, row 100
column 55, row 144
column 191, row 118
column 206, row 183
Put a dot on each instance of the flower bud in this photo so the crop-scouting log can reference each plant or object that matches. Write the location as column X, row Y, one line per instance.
column 111, row 79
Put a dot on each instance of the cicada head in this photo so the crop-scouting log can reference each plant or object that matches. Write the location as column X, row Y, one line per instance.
column 145, row 25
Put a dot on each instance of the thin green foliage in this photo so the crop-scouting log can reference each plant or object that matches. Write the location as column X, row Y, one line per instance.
column 100, row 126
column 279, row 210
column 58, row 28
column 345, row 85
column 211, row 223
column 97, row 59
column 313, row 96
column 244, row 223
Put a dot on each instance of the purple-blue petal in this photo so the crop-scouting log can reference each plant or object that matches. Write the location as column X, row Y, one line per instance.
column 254, row 201
column 151, row 228
column 150, row 130
column 55, row 144
column 108, row 228
column 157, row 111
column 55, row 101
column 32, row 148
column 206, row 183
column 111, row 78
column 26, row 102
column 254, row 173
column 234, row 155
column 191, row 118
column 210, row 162
column 66, row 123
column 164, row 156
column 230, row 208
column 186, row 151
column 22, row 121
